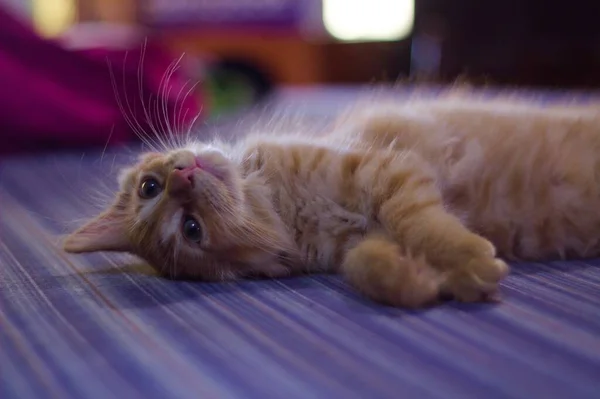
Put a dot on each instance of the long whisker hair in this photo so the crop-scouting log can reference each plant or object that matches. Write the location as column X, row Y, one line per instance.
column 158, row 131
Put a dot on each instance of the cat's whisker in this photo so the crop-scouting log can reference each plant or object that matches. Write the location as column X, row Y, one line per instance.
column 107, row 142
column 150, row 139
column 179, row 103
column 193, row 121
column 180, row 120
column 159, row 123
column 183, row 133
column 157, row 106
column 161, row 105
column 147, row 115
column 165, row 98
column 128, row 116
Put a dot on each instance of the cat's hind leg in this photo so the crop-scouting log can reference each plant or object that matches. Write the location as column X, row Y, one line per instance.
column 379, row 269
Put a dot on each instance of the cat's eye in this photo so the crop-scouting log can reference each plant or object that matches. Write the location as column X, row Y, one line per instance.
column 149, row 188
column 192, row 229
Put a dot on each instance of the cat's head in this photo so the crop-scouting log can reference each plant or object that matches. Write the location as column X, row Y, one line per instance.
column 189, row 213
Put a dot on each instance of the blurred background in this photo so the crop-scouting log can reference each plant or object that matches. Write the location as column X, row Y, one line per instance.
column 538, row 42
column 301, row 42
column 239, row 50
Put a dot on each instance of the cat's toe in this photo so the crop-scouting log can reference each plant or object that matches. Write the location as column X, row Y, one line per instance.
column 477, row 281
column 487, row 271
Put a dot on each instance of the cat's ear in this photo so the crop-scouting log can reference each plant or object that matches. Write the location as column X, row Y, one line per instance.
column 106, row 232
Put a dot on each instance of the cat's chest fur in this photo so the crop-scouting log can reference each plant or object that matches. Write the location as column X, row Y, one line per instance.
column 304, row 189
column 322, row 228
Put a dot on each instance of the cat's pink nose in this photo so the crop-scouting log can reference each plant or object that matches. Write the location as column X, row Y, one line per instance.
column 181, row 181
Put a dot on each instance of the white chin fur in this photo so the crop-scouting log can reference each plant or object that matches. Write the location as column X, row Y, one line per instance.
column 202, row 148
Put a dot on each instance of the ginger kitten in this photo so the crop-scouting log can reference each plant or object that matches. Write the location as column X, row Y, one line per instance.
column 403, row 198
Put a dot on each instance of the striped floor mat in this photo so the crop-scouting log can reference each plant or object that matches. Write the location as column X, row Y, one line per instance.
column 104, row 326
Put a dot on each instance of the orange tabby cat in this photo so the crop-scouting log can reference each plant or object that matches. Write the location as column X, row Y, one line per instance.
column 398, row 198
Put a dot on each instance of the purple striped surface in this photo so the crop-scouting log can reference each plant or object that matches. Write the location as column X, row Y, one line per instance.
column 104, row 325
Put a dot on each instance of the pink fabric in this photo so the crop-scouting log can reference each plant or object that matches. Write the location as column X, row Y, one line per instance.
column 51, row 97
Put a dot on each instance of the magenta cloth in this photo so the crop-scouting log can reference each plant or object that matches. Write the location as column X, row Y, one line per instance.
column 52, row 97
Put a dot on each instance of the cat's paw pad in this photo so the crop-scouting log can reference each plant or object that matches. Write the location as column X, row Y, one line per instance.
column 478, row 278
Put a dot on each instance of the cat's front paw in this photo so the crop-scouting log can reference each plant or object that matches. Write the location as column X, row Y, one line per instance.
column 476, row 277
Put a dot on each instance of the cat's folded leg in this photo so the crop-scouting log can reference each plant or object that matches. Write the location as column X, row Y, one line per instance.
column 379, row 269
column 466, row 261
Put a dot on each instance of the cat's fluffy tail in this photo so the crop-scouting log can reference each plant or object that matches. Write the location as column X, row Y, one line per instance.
column 378, row 268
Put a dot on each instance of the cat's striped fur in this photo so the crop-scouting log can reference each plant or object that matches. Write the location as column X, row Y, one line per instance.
column 398, row 197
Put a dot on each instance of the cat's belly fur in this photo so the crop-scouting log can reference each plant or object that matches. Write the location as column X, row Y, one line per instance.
column 528, row 180
column 534, row 202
